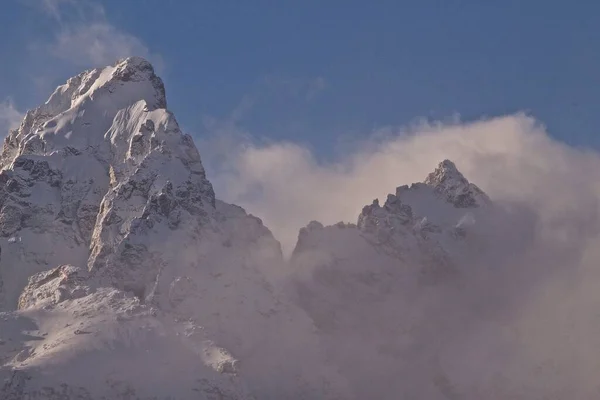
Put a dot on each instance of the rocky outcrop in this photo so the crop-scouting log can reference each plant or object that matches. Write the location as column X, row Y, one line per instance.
column 52, row 287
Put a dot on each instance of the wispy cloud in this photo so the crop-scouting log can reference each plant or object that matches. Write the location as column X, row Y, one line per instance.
column 270, row 94
column 10, row 117
column 52, row 7
column 98, row 44
column 304, row 88
column 85, row 37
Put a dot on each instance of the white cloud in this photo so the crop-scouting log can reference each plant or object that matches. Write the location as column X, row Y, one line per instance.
column 523, row 329
column 510, row 157
column 10, row 117
column 85, row 37
column 98, row 44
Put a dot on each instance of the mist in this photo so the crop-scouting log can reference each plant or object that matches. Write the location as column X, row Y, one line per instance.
column 520, row 321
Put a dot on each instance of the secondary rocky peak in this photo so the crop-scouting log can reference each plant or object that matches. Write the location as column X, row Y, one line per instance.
column 446, row 170
column 449, row 183
column 429, row 217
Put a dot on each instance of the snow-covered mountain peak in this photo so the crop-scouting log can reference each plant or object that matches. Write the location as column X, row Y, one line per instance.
column 446, row 170
column 449, row 183
column 106, row 211
column 93, row 165
column 428, row 221
column 444, row 199
column 78, row 113
column 132, row 77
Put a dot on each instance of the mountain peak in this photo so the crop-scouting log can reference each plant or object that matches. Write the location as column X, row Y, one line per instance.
column 135, row 61
column 450, row 183
column 131, row 78
column 80, row 112
column 138, row 69
column 445, row 171
column 97, row 163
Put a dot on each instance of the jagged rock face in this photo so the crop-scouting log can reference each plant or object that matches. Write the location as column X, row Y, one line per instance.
column 95, row 158
column 158, row 181
column 47, row 213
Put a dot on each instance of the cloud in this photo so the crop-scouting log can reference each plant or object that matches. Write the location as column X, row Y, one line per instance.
column 10, row 117
column 304, row 88
column 527, row 327
column 315, row 87
column 98, row 44
column 270, row 92
column 511, row 157
column 53, row 7
column 85, row 38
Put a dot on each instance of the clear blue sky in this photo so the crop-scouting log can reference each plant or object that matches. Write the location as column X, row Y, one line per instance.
column 312, row 70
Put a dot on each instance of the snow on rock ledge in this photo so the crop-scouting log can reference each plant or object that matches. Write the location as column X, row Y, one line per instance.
column 52, row 287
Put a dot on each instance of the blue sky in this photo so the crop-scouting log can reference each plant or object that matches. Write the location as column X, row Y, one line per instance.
column 317, row 72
